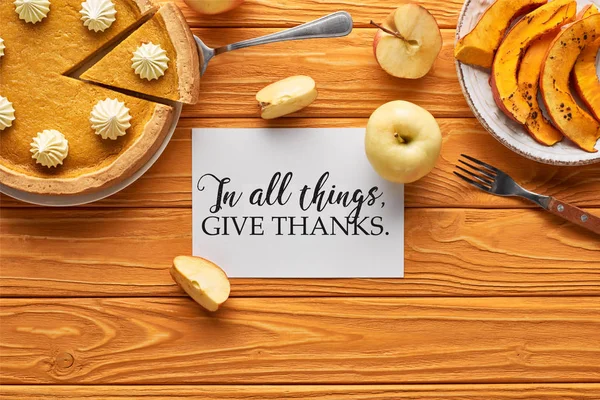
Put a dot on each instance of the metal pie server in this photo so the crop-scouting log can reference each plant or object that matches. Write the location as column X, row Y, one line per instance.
column 333, row 25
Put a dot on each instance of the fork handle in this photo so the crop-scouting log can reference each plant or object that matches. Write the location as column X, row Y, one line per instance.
column 574, row 214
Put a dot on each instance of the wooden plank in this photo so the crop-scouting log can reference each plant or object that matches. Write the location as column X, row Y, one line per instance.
column 313, row 341
column 448, row 252
column 535, row 391
column 349, row 80
column 288, row 13
column 169, row 182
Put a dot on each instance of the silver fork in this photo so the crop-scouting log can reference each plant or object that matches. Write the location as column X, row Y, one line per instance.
column 333, row 25
column 490, row 179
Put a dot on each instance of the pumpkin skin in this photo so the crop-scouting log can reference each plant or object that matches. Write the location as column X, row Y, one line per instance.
column 536, row 124
column 479, row 46
column 585, row 79
column 587, row 11
column 505, row 88
column 572, row 120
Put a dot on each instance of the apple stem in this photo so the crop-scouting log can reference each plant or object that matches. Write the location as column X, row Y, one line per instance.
column 397, row 34
column 400, row 140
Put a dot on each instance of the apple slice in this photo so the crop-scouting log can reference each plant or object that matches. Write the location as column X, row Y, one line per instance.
column 402, row 141
column 286, row 96
column 212, row 7
column 408, row 42
column 202, row 280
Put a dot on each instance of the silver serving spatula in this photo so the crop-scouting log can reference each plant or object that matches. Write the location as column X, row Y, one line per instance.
column 333, row 25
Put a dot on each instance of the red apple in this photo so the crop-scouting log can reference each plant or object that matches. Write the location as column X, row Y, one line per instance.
column 408, row 42
column 211, row 7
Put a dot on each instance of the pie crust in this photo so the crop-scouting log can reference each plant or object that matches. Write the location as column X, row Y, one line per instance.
column 45, row 98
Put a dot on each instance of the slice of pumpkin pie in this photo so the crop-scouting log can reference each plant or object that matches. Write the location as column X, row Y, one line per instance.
column 159, row 59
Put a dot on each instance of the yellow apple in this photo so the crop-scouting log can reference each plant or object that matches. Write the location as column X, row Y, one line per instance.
column 408, row 42
column 211, row 7
column 402, row 141
column 202, row 280
column 286, row 96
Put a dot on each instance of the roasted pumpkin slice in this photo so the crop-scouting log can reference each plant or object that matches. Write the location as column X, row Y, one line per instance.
column 508, row 57
column 584, row 73
column 529, row 76
column 478, row 46
column 587, row 11
column 572, row 120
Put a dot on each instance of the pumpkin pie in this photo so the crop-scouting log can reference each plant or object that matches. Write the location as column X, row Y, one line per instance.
column 166, row 30
column 34, row 82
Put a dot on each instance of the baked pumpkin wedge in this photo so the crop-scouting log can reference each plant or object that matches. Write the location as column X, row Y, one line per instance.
column 572, row 120
column 478, row 46
column 537, row 23
column 587, row 11
column 166, row 55
column 585, row 79
column 536, row 124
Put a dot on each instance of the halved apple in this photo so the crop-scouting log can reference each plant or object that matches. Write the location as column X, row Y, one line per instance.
column 202, row 280
column 573, row 121
column 585, row 79
column 508, row 57
column 408, row 42
column 286, row 96
column 528, row 79
column 479, row 46
column 212, row 7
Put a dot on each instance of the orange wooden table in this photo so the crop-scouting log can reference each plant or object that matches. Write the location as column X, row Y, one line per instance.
column 500, row 300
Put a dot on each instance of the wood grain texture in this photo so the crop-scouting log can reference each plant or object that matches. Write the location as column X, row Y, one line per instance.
column 574, row 215
column 349, row 80
column 288, row 13
column 169, row 182
column 314, row 341
column 537, row 391
column 448, row 252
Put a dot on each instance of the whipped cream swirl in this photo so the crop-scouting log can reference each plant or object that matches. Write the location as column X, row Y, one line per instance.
column 150, row 61
column 2, row 47
column 32, row 10
column 7, row 113
column 49, row 148
column 110, row 118
column 98, row 15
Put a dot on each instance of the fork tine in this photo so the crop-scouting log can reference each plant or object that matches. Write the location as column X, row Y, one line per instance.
column 479, row 178
column 472, row 182
column 488, row 166
column 480, row 170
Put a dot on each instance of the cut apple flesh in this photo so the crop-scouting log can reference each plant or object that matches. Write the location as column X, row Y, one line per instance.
column 585, row 78
column 508, row 57
column 409, row 42
column 202, row 280
column 479, row 46
column 286, row 96
column 573, row 121
column 529, row 76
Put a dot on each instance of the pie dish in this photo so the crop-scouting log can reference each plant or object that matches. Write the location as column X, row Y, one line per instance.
column 35, row 76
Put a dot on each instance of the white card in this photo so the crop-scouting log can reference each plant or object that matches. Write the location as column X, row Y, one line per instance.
column 327, row 215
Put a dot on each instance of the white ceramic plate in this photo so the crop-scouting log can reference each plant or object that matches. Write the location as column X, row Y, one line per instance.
column 475, row 87
column 76, row 200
